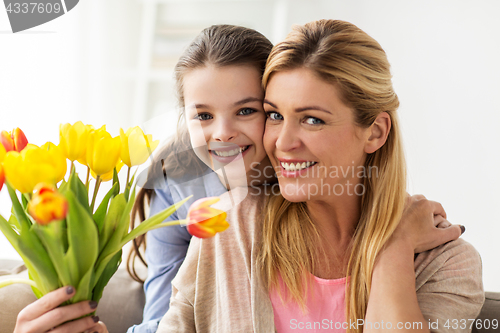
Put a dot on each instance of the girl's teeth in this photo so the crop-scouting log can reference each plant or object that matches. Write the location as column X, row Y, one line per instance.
column 296, row 166
column 225, row 153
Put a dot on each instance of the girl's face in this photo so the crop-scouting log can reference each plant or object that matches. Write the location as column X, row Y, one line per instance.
column 312, row 141
column 226, row 119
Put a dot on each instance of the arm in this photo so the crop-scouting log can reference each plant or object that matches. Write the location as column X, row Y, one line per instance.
column 393, row 296
column 165, row 252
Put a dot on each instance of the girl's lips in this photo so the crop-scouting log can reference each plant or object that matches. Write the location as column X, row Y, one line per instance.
column 229, row 159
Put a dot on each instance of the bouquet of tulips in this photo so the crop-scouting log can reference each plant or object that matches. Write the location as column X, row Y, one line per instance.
column 63, row 236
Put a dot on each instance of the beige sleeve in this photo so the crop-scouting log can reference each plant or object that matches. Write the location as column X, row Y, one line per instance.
column 180, row 315
column 453, row 293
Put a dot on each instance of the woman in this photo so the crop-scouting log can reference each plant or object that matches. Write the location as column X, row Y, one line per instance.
column 330, row 246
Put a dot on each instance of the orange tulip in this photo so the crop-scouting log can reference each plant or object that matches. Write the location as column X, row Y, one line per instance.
column 204, row 221
column 47, row 205
column 15, row 140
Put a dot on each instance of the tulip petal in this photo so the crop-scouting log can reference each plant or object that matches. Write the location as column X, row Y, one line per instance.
column 7, row 141
column 19, row 138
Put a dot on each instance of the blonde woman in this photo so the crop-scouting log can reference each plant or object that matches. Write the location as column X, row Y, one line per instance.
column 336, row 248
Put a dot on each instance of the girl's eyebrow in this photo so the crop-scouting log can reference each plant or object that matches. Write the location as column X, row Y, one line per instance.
column 248, row 100
column 312, row 107
column 243, row 101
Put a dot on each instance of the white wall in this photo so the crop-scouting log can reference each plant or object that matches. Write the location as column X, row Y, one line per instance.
column 445, row 60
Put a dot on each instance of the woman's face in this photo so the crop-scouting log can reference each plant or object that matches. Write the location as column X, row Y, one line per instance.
column 225, row 118
column 311, row 139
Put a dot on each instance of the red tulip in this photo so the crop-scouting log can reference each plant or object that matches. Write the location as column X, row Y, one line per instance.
column 204, row 221
column 15, row 140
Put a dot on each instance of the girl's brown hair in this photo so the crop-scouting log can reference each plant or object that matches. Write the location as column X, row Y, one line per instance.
column 345, row 56
column 218, row 45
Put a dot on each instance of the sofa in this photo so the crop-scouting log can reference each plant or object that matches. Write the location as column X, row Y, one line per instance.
column 123, row 301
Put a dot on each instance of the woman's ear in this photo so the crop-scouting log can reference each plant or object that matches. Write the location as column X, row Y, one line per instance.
column 379, row 131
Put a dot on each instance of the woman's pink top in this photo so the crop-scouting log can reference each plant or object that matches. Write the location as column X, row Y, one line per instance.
column 325, row 305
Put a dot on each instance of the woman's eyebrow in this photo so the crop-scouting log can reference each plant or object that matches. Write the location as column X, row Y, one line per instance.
column 305, row 108
column 248, row 100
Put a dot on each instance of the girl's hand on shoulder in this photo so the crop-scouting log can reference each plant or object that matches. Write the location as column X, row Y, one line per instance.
column 423, row 225
column 44, row 315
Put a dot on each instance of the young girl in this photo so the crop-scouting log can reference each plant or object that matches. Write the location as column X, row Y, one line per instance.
column 221, row 125
column 336, row 250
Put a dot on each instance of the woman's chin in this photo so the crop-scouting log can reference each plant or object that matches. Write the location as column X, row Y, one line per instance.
column 294, row 193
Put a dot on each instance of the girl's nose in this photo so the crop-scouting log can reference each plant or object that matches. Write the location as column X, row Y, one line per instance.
column 225, row 131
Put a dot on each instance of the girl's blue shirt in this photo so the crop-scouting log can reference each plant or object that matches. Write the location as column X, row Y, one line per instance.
column 167, row 247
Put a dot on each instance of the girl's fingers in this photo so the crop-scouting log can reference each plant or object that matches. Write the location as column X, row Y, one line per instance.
column 61, row 315
column 99, row 328
column 80, row 325
column 46, row 303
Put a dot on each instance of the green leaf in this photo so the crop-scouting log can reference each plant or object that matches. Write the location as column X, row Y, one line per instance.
column 106, row 275
column 82, row 242
column 153, row 221
column 37, row 261
column 52, row 236
column 115, row 211
column 114, row 243
column 24, row 202
column 79, row 190
column 101, row 211
column 19, row 212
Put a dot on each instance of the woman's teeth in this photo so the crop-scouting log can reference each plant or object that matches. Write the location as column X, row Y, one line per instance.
column 229, row 153
column 296, row 166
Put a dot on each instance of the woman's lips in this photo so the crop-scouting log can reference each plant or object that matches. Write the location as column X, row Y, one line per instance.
column 303, row 168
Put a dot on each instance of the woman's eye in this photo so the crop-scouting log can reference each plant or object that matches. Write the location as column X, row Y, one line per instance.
column 274, row 115
column 203, row 116
column 314, row 121
column 246, row 111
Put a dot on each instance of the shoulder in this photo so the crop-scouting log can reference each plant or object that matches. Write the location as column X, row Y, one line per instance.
column 458, row 255
column 449, row 281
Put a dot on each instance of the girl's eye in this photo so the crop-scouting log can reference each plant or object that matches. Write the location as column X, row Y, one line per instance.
column 203, row 116
column 246, row 111
column 274, row 115
column 314, row 121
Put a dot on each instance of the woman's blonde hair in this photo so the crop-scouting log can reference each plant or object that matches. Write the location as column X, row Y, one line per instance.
column 345, row 56
column 218, row 45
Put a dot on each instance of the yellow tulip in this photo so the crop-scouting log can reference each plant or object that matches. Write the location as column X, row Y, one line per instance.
column 103, row 151
column 73, row 140
column 136, row 147
column 204, row 221
column 108, row 176
column 34, row 165
column 83, row 158
column 47, row 205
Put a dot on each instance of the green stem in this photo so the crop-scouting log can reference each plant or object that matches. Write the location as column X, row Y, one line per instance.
column 96, row 188
column 128, row 175
column 72, row 167
column 14, row 281
column 87, row 181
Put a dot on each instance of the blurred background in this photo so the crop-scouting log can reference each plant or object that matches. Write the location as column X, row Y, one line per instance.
column 111, row 61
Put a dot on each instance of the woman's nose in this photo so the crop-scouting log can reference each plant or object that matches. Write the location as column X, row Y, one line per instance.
column 287, row 138
column 225, row 131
